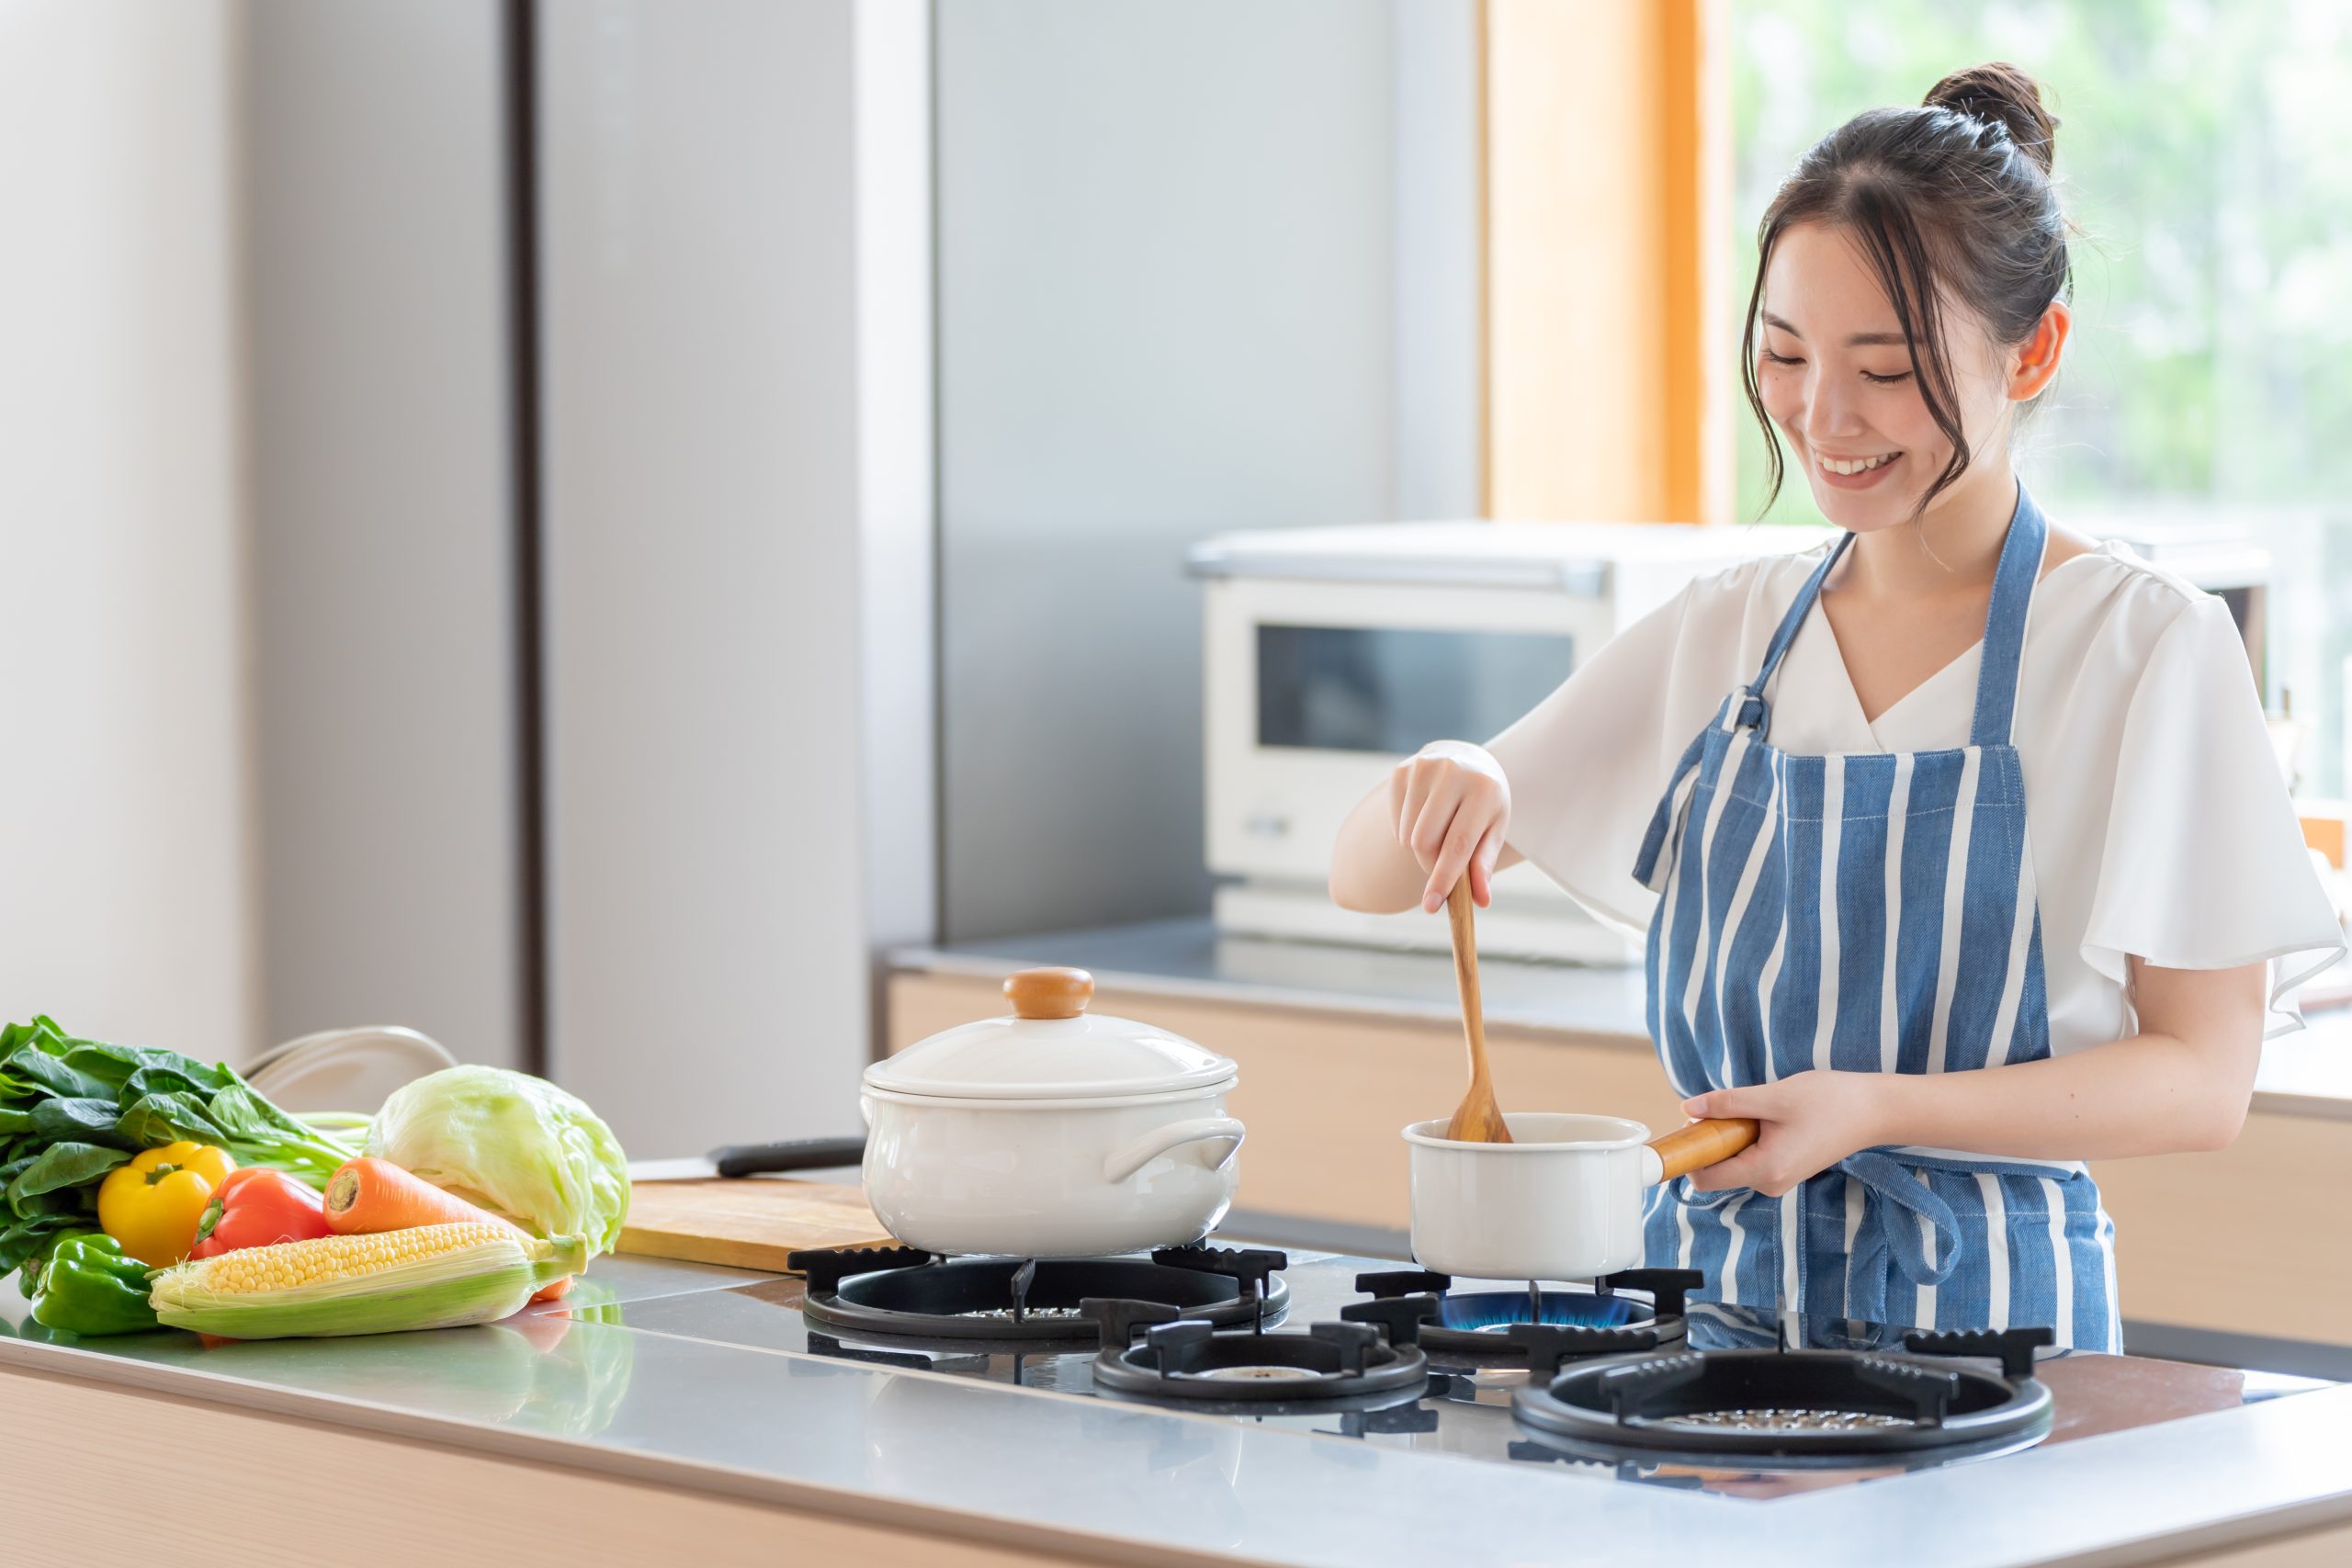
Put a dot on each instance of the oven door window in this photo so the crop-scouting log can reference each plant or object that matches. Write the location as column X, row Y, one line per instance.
column 1392, row 691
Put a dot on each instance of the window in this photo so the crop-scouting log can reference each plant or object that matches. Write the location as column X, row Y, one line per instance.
column 2206, row 147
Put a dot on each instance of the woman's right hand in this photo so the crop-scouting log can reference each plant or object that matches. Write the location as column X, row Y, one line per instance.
column 1452, row 806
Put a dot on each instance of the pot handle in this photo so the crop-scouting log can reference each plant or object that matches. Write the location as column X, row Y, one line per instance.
column 1123, row 1163
column 1699, row 1145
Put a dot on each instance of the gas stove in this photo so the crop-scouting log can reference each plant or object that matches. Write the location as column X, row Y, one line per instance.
column 1621, row 1378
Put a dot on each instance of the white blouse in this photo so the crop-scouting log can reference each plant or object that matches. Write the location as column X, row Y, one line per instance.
column 2156, row 816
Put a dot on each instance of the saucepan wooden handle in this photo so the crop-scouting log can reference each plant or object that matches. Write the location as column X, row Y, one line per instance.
column 1702, row 1144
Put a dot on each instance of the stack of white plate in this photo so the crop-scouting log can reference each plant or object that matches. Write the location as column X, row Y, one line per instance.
column 345, row 1069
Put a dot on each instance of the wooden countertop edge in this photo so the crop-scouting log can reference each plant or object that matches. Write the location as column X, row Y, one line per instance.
column 2315, row 1104
column 2222, row 1542
column 60, row 1363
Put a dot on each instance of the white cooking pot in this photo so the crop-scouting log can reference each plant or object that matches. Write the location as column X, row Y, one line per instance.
column 1562, row 1201
column 1054, row 1133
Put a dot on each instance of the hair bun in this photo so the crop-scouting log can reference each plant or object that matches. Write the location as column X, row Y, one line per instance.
column 1999, row 93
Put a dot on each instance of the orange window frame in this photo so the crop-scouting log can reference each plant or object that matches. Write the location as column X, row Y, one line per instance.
column 1609, row 369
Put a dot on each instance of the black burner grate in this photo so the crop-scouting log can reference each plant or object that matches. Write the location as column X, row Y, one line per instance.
column 1795, row 1402
column 1635, row 1310
column 1193, row 1360
column 911, row 1295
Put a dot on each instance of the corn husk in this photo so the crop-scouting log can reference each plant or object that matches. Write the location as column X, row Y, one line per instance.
column 484, row 1274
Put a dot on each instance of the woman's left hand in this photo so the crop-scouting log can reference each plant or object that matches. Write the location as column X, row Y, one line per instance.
column 1804, row 1124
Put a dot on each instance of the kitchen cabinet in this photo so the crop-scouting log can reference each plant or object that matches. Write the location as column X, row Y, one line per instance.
column 2317, row 1548
column 486, row 1512
column 2217, row 1243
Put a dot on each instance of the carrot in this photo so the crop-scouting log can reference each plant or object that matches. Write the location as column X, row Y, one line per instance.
column 555, row 1292
column 369, row 1195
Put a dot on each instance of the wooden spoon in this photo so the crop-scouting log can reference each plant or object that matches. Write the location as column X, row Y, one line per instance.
column 1477, row 1120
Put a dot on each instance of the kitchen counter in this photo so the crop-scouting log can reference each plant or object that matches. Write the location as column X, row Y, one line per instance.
column 664, row 1375
column 2305, row 1074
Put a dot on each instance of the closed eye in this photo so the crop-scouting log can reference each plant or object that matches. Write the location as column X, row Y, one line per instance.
column 1876, row 381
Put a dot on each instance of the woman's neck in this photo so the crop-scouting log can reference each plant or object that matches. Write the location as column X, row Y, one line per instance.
column 1956, row 545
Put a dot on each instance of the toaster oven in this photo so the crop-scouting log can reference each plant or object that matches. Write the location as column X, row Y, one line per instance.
column 1330, row 654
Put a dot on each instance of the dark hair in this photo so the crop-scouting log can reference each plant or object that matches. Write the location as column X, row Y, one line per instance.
column 1955, row 195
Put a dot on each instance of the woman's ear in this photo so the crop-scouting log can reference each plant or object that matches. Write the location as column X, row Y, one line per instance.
column 2037, row 361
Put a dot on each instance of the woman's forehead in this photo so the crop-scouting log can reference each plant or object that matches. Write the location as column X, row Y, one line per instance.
column 1822, row 286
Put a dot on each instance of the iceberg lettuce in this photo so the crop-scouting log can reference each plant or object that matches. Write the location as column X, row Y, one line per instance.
column 515, row 1145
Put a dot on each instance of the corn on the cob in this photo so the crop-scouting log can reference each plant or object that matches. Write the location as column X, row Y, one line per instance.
column 426, row 1277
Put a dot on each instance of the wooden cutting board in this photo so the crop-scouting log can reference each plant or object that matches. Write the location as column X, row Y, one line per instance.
column 748, row 1223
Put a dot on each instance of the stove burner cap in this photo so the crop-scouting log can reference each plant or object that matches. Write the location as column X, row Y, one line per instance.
column 1256, row 1374
column 1793, row 1420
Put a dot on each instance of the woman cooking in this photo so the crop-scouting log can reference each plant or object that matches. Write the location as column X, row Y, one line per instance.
column 1959, row 843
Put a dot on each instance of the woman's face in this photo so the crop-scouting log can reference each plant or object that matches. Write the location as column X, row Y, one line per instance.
column 1837, row 378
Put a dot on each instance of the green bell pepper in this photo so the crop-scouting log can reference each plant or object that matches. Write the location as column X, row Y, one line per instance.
column 88, row 1286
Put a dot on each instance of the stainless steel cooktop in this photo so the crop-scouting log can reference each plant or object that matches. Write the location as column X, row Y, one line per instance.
column 1465, row 1409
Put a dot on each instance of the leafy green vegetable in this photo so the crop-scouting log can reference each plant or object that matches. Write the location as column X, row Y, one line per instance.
column 242, row 1113
column 86, row 1120
column 28, row 1238
column 116, row 1064
column 71, row 1110
column 515, row 1145
column 45, row 1072
column 60, row 1166
column 155, row 1120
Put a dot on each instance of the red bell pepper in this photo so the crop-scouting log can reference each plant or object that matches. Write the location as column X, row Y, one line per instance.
column 256, row 1206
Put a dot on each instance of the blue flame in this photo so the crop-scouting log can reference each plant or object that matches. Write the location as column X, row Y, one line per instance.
column 1492, row 1311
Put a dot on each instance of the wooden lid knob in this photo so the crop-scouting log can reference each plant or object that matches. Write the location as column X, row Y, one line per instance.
column 1049, row 993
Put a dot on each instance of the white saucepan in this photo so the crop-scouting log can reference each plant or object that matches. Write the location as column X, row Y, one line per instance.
column 1054, row 1133
column 1563, row 1201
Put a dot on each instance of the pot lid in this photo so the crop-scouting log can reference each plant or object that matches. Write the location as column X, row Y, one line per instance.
column 1051, row 1048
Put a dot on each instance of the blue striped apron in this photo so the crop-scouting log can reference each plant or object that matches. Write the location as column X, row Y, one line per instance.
column 1870, row 912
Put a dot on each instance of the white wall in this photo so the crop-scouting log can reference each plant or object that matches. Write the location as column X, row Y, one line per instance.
column 124, row 833
column 709, row 225
column 383, row 572
column 1440, row 249
column 896, row 472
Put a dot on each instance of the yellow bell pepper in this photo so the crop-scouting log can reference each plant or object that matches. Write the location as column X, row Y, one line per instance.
column 153, row 1206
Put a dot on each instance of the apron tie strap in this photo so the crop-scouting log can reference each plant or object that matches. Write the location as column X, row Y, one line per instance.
column 1891, row 1228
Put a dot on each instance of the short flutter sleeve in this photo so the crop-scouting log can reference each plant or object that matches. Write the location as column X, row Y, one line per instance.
column 1588, row 763
column 2204, row 866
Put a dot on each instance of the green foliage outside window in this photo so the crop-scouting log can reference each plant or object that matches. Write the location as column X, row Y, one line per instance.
column 2206, row 150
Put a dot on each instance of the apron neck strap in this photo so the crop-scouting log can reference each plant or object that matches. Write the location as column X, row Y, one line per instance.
column 2013, row 581
column 1996, row 676
column 1750, row 710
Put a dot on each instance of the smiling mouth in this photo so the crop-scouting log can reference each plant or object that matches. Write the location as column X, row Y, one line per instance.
column 1850, row 467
